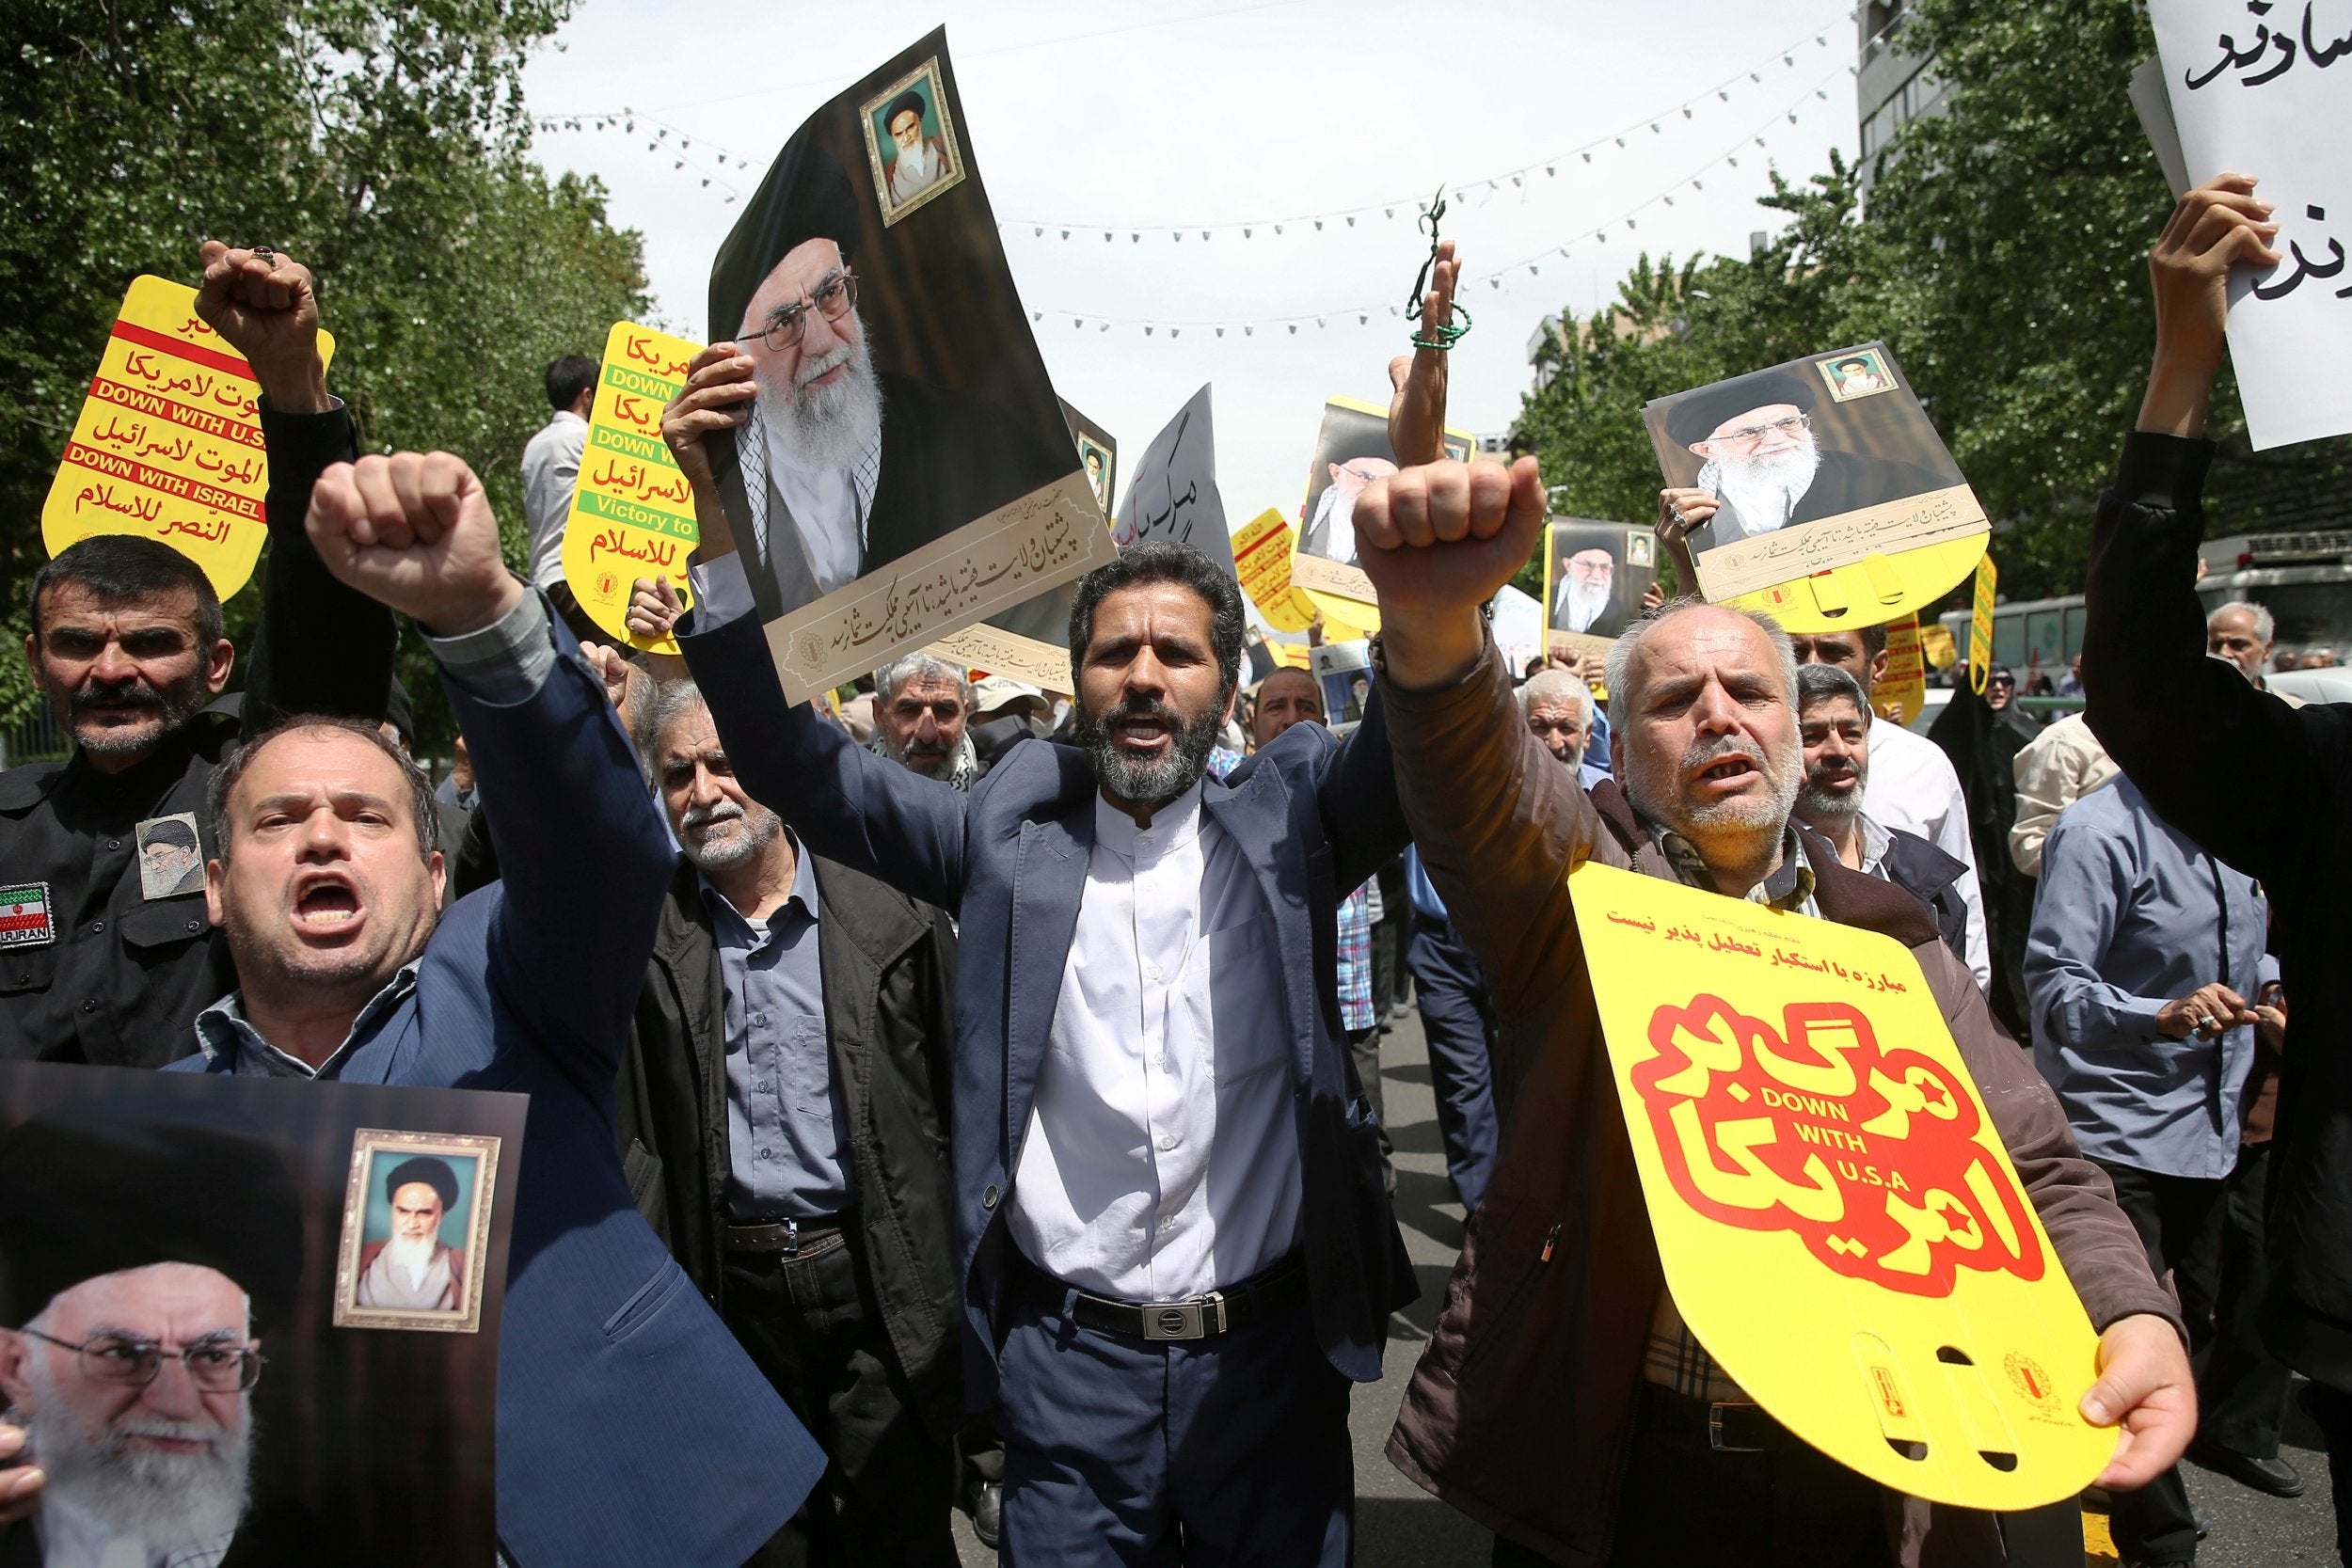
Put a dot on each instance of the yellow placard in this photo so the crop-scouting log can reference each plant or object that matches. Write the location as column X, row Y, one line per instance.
column 1903, row 691
column 1865, row 593
column 632, row 512
column 169, row 443
column 1261, row 559
column 1935, row 646
column 1981, row 627
column 1840, row 1223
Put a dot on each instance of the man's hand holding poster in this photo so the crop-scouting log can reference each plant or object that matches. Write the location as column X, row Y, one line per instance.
column 901, row 469
column 1840, row 1225
column 1816, row 490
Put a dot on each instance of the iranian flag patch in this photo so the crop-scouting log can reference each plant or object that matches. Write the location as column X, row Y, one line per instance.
column 24, row 915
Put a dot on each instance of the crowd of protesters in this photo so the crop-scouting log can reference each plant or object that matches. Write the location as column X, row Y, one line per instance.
column 1001, row 1068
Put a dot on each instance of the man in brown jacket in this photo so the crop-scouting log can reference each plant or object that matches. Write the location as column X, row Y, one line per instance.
column 1561, row 1401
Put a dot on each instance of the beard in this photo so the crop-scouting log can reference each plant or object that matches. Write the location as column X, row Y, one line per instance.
column 165, row 711
column 758, row 828
column 935, row 762
column 1766, row 490
column 1650, row 787
column 1150, row 781
column 1587, row 602
column 828, row 427
column 1814, row 800
column 412, row 1256
column 163, row 1498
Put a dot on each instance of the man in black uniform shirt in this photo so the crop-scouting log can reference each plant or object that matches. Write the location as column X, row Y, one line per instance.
column 126, row 643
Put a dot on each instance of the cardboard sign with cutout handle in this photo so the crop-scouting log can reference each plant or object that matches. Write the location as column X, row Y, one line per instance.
column 632, row 510
column 1840, row 1226
column 168, row 442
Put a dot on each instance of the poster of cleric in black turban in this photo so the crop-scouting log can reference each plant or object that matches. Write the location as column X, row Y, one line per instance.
column 1836, row 503
column 1593, row 577
column 1351, row 451
column 168, row 1343
column 905, row 473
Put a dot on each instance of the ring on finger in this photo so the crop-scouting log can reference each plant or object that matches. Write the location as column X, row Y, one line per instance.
column 1676, row 513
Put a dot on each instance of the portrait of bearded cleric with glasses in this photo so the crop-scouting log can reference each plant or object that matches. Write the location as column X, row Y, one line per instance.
column 1765, row 467
column 844, row 463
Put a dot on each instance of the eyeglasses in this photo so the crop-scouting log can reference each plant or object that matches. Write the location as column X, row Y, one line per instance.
column 834, row 297
column 1749, row 435
column 219, row 1366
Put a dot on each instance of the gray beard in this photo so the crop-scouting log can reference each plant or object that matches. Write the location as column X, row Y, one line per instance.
column 164, row 1498
column 830, row 428
column 1765, row 491
column 1150, row 784
column 1827, row 806
column 1696, row 823
column 758, row 831
column 1587, row 601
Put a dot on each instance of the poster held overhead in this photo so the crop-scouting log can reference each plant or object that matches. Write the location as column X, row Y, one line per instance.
column 1593, row 575
column 146, row 1215
column 2261, row 101
column 169, row 443
column 904, row 471
column 1098, row 456
column 1172, row 496
column 1837, row 505
column 1351, row 451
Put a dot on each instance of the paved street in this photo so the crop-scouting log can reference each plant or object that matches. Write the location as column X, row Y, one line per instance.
column 1399, row 1526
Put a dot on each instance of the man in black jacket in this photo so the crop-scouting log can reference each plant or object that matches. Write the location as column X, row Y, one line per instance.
column 780, row 1125
column 2275, row 812
column 97, row 964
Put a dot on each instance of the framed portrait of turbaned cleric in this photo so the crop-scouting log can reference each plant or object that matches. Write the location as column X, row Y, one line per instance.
column 1098, row 456
column 1593, row 575
column 1837, row 503
column 1352, row 450
column 176, row 1255
column 904, row 477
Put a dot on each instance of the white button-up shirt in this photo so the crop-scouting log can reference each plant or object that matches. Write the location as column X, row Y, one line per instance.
column 1913, row 787
column 1162, row 1159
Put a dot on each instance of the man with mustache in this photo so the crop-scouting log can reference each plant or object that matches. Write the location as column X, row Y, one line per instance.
column 841, row 467
column 104, row 962
column 1762, row 469
column 1562, row 1402
column 922, row 711
column 782, row 1125
column 1174, row 1250
column 1587, row 601
column 1835, row 721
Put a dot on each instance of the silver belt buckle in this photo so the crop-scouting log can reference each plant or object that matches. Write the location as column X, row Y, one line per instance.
column 791, row 1246
column 1715, row 1429
column 1185, row 1320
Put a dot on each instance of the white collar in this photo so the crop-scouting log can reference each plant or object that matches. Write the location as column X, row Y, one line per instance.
column 1173, row 826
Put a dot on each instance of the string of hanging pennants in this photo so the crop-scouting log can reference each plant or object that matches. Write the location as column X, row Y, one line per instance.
column 1529, row 264
column 712, row 164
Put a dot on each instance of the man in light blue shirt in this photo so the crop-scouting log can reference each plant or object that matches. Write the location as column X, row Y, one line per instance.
column 2143, row 957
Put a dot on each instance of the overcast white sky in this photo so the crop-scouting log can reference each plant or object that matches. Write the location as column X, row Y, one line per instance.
column 1215, row 112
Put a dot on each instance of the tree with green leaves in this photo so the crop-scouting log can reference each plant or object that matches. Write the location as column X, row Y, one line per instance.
column 383, row 143
column 2003, row 258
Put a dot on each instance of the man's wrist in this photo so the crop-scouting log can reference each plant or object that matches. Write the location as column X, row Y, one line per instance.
column 1429, row 651
column 466, row 616
column 296, row 387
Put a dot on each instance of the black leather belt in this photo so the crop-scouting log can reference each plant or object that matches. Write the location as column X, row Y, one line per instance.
column 1729, row 1426
column 1253, row 1300
column 788, row 1238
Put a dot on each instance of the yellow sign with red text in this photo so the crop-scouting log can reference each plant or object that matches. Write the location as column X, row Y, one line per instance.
column 1840, row 1223
column 1899, row 695
column 632, row 512
column 169, row 443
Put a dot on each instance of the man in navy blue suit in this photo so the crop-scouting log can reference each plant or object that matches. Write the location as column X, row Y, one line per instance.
column 1176, row 1253
column 632, row 1428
